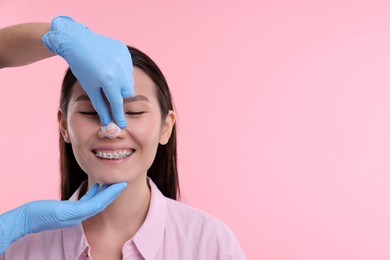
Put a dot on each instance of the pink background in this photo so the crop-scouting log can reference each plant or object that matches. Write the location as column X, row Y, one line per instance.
column 284, row 123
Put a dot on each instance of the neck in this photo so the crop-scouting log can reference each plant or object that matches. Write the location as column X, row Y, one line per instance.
column 126, row 214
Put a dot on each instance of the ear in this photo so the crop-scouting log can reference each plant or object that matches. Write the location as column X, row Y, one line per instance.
column 63, row 126
column 166, row 129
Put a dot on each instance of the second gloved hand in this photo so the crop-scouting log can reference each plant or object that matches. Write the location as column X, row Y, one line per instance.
column 44, row 215
column 98, row 62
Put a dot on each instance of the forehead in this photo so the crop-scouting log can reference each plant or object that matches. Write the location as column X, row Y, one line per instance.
column 143, row 85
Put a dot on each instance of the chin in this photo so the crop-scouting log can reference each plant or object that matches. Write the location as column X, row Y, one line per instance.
column 112, row 176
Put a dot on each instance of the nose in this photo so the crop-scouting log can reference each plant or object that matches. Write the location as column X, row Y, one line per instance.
column 111, row 131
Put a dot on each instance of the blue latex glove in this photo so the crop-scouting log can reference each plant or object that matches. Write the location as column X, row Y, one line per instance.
column 44, row 215
column 98, row 62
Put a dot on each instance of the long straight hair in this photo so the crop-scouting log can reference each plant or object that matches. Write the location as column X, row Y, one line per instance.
column 163, row 171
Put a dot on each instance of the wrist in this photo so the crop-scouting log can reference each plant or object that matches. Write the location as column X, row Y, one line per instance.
column 63, row 34
column 12, row 227
column 4, row 241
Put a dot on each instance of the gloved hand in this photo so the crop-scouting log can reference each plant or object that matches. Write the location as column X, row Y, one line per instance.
column 44, row 215
column 97, row 62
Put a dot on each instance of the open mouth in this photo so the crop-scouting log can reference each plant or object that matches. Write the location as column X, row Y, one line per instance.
column 113, row 155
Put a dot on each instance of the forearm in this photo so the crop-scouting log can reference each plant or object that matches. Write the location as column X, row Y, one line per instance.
column 22, row 44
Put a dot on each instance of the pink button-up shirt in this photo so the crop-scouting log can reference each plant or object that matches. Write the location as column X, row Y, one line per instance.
column 171, row 230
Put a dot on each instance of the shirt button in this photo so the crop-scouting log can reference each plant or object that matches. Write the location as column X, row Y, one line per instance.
column 86, row 253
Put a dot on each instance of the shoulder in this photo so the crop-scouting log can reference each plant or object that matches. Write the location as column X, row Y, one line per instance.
column 200, row 229
column 182, row 213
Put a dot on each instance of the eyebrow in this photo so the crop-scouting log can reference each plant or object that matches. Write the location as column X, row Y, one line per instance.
column 84, row 97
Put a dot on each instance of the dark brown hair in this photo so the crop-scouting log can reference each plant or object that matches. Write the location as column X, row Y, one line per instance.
column 163, row 171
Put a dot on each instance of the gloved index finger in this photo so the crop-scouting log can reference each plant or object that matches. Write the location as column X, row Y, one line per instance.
column 116, row 102
column 102, row 199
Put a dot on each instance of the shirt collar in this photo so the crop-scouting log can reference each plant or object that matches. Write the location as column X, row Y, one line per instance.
column 147, row 239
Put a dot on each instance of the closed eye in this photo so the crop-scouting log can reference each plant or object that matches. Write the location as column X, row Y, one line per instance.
column 134, row 113
column 92, row 113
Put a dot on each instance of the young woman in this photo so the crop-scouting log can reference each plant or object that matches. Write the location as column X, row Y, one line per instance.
column 145, row 221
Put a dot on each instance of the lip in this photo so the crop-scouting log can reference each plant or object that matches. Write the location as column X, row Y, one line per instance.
column 112, row 148
column 116, row 161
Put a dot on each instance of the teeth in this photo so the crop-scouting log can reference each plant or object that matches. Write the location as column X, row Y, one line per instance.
column 113, row 155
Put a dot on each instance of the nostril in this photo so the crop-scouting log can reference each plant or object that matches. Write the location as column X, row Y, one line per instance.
column 111, row 130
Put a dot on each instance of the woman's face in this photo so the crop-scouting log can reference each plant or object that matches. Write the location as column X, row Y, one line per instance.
column 135, row 147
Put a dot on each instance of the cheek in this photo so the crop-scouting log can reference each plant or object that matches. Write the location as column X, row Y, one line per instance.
column 80, row 129
column 145, row 130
